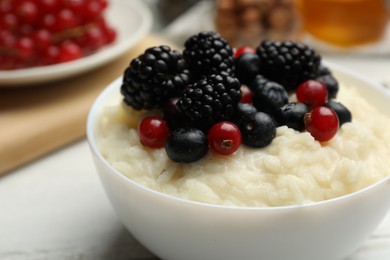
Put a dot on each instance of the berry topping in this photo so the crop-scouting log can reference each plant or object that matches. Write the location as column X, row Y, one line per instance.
column 292, row 115
column 246, row 94
column 210, row 100
column 342, row 112
column 322, row 123
column 154, row 77
column 153, row 132
column 186, row 145
column 268, row 96
column 208, row 53
column 242, row 50
column 224, row 138
column 257, row 129
column 313, row 93
column 331, row 85
column 287, row 62
column 247, row 67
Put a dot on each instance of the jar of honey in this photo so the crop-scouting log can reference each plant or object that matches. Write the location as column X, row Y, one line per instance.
column 344, row 23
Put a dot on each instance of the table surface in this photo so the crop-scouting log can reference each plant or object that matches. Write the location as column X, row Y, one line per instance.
column 55, row 207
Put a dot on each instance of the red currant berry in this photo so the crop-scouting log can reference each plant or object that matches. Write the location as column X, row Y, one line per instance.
column 6, row 6
column 9, row 22
column 322, row 123
column 51, row 55
column 42, row 39
column 94, row 38
column 242, row 50
column 313, row 93
column 69, row 51
column 25, row 47
column 7, row 39
column 49, row 6
column 110, row 34
column 153, row 132
column 28, row 11
column 66, row 19
column 224, row 138
column 246, row 94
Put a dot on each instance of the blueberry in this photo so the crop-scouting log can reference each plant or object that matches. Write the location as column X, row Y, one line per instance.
column 172, row 116
column 257, row 129
column 268, row 96
column 342, row 112
column 242, row 110
column 331, row 84
column 247, row 67
column 292, row 115
column 186, row 145
column 323, row 70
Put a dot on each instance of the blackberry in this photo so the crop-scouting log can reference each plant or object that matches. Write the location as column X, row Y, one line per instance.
column 208, row 53
column 268, row 96
column 247, row 67
column 342, row 112
column 331, row 85
column 292, row 115
column 155, row 76
column 287, row 62
column 210, row 100
column 186, row 145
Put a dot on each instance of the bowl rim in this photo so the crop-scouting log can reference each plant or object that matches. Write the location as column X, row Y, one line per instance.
column 94, row 110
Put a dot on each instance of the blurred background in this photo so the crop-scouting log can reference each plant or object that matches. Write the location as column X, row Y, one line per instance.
column 54, row 206
column 337, row 23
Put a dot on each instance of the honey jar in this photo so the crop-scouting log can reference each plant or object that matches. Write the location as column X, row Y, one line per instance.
column 344, row 22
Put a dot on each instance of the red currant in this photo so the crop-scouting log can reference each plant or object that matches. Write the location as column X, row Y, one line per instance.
column 9, row 22
column 322, row 123
column 224, row 138
column 42, row 39
column 66, row 19
column 110, row 34
column 94, row 38
column 43, row 32
column 51, row 55
column 7, row 39
column 153, row 132
column 25, row 47
column 242, row 50
column 69, row 51
column 313, row 93
column 246, row 94
column 28, row 11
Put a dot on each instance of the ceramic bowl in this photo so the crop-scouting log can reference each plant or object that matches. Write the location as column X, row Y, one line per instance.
column 175, row 228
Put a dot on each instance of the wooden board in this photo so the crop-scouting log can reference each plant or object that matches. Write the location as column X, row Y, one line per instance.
column 36, row 120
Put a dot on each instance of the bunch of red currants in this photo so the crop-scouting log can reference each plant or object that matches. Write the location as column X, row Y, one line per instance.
column 45, row 32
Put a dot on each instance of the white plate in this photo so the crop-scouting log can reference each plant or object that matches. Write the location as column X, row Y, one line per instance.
column 131, row 19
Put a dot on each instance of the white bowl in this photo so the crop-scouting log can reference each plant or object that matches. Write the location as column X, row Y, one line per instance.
column 175, row 228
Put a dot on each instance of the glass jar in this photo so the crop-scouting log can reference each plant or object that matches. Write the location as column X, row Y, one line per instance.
column 344, row 22
column 247, row 22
